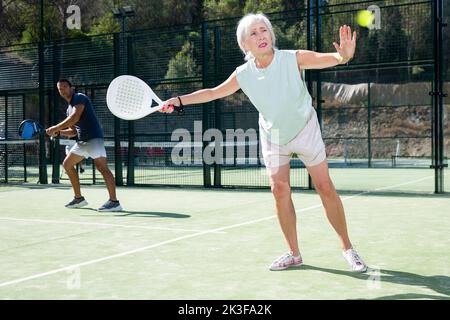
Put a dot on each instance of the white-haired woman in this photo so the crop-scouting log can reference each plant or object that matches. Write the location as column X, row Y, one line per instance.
column 274, row 82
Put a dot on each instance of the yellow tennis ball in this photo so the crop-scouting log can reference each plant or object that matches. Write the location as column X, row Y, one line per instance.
column 365, row 18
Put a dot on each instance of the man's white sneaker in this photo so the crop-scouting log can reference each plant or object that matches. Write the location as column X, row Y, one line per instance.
column 110, row 206
column 76, row 203
column 354, row 260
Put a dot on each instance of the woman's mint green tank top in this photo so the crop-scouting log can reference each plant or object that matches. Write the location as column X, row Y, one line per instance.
column 280, row 95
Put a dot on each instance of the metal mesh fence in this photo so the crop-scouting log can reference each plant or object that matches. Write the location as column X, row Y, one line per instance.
column 446, row 46
column 375, row 112
column 371, row 123
column 19, row 161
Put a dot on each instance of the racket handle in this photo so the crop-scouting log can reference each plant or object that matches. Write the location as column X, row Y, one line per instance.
column 179, row 109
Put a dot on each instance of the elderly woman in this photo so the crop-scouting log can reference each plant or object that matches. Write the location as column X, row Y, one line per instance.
column 274, row 81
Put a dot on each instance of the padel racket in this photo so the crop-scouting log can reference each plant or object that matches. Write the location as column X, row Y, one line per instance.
column 29, row 129
column 130, row 98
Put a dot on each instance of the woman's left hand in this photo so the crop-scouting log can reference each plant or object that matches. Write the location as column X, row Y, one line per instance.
column 346, row 47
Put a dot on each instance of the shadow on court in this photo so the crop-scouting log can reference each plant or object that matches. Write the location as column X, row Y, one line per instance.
column 126, row 213
column 438, row 283
column 152, row 214
column 410, row 296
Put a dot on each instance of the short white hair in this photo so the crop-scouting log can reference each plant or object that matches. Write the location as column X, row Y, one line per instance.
column 244, row 26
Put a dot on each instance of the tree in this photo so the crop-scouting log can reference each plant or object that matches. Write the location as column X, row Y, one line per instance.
column 157, row 14
column 265, row 6
column 106, row 24
column 214, row 9
column 183, row 65
column 219, row 9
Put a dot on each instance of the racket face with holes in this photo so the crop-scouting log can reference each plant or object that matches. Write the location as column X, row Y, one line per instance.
column 130, row 98
column 29, row 129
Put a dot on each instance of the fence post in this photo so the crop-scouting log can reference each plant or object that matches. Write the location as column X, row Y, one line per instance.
column 43, row 179
column 369, row 126
column 205, row 110
column 25, row 176
column 438, row 96
column 308, row 73
column 217, row 108
column 6, row 136
column 117, row 150
column 53, row 113
column 318, row 49
column 130, row 166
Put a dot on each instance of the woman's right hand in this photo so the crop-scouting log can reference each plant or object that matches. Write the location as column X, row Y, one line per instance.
column 168, row 105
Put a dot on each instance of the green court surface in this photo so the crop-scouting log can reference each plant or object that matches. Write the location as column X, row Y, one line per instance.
column 179, row 243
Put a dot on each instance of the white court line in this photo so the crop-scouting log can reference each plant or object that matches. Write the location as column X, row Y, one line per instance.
column 369, row 191
column 99, row 224
column 387, row 188
column 159, row 244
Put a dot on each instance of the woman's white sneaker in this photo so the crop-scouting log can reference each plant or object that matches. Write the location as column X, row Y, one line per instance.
column 354, row 260
column 285, row 261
